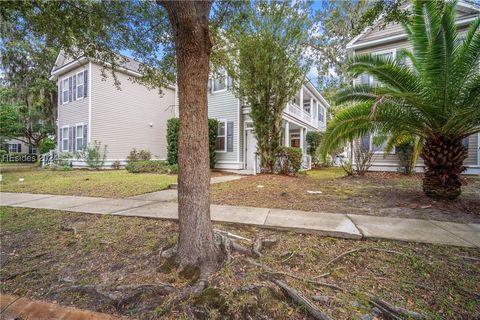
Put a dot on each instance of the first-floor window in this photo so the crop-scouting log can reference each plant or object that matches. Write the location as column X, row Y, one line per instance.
column 79, row 137
column 32, row 149
column 220, row 143
column 65, row 139
column 225, row 136
column 14, row 147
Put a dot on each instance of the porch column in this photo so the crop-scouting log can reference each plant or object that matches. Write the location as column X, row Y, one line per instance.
column 302, row 140
column 287, row 134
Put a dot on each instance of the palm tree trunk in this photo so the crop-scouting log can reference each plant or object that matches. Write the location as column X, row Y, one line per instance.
column 443, row 159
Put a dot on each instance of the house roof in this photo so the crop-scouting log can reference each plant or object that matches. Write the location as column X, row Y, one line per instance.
column 64, row 63
column 467, row 12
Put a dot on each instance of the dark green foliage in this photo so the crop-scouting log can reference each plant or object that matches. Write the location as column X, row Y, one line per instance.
column 173, row 168
column 288, row 160
column 212, row 138
column 405, row 152
column 265, row 58
column 140, row 155
column 46, row 145
column 313, row 142
column 173, row 126
column 150, row 166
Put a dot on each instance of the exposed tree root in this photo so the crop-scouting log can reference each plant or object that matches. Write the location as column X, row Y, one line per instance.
column 231, row 235
column 358, row 250
column 260, row 243
column 299, row 299
column 394, row 312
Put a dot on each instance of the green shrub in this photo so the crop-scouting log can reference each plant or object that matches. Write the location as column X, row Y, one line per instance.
column 289, row 160
column 173, row 168
column 141, row 155
column 46, row 145
column 94, row 155
column 313, row 142
column 150, row 166
column 173, row 126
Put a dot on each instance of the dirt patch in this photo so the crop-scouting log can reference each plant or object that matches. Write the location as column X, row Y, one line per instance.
column 376, row 193
column 44, row 252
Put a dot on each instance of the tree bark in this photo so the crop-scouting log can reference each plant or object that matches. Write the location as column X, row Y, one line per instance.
column 189, row 21
column 443, row 159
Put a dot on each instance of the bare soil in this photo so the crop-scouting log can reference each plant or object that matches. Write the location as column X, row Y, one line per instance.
column 45, row 252
column 376, row 193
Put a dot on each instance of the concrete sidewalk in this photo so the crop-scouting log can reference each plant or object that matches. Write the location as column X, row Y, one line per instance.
column 329, row 224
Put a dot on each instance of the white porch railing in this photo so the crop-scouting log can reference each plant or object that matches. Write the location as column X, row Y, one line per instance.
column 294, row 110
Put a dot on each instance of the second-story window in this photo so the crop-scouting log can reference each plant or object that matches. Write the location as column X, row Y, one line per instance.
column 321, row 114
column 65, row 90
column 220, row 81
column 80, row 85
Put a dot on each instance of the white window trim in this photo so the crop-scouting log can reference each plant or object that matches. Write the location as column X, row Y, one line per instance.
column 63, row 90
column 226, row 83
column 77, row 85
column 224, row 136
column 68, row 138
column 81, row 137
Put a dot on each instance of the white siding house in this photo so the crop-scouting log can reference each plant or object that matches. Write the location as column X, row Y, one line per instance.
column 91, row 108
column 386, row 41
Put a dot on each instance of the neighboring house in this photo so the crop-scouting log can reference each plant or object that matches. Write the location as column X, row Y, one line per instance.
column 236, row 142
column 386, row 41
column 17, row 146
column 91, row 108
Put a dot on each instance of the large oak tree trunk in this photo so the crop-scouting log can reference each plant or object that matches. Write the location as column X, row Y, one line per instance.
column 443, row 159
column 189, row 20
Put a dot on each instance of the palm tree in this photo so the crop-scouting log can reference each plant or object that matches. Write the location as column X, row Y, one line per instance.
column 434, row 96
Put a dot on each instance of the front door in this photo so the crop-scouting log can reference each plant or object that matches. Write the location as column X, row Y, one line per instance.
column 251, row 148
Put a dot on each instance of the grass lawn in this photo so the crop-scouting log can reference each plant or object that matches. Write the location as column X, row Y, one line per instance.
column 45, row 254
column 107, row 183
column 376, row 193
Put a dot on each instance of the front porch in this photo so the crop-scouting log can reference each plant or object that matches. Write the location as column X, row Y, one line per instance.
column 293, row 135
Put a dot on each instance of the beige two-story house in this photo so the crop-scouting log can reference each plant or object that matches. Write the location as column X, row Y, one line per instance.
column 386, row 40
column 92, row 108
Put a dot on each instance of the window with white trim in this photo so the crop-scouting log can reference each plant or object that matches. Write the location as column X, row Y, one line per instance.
column 65, row 138
column 321, row 113
column 80, row 84
column 220, row 81
column 79, row 138
column 221, row 136
column 65, row 90
column 13, row 147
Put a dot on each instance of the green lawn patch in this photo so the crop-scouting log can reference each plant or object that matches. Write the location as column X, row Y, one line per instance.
column 44, row 251
column 109, row 184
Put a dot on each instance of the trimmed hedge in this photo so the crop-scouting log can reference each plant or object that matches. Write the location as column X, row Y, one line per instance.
column 173, row 126
column 289, row 160
column 150, row 166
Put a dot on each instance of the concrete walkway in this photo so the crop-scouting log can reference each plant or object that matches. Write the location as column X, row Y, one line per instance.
column 329, row 224
column 171, row 194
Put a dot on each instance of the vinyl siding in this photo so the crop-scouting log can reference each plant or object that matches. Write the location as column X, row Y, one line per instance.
column 224, row 106
column 121, row 118
column 395, row 29
column 71, row 113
